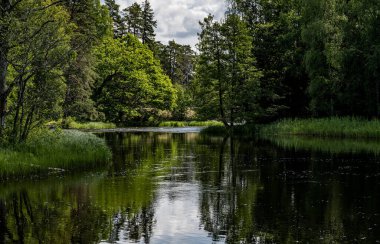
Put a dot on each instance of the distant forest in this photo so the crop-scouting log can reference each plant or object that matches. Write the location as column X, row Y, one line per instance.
column 265, row 60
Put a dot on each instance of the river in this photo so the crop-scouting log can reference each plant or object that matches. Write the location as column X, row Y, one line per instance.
column 179, row 186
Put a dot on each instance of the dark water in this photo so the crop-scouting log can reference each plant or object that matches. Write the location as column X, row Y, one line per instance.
column 166, row 187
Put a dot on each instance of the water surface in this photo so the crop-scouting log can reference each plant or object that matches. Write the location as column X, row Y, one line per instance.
column 178, row 186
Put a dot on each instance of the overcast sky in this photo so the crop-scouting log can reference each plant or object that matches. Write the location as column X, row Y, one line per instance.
column 178, row 19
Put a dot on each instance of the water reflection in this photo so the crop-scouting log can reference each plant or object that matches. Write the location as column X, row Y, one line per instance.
column 191, row 188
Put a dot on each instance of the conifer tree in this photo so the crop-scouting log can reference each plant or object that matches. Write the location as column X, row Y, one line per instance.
column 148, row 24
column 133, row 19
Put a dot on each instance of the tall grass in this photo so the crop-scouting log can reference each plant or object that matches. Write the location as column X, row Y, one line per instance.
column 326, row 127
column 91, row 125
column 52, row 152
column 190, row 123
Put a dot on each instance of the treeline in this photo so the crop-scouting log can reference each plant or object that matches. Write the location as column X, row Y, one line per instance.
column 290, row 58
column 88, row 61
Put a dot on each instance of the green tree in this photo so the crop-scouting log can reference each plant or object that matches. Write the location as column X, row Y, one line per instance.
column 227, row 77
column 148, row 25
column 92, row 24
column 323, row 33
column 133, row 16
column 36, row 37
column 131, row 85
column 119, row 27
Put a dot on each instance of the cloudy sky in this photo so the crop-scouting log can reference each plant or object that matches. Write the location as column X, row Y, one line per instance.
column 178, row 19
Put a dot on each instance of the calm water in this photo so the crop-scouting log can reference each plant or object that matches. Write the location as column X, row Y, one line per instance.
column 166, row 187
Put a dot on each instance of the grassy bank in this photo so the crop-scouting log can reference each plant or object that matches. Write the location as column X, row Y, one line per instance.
column 90, row 125
column 51, row 152
column 190, row 123
column 327, row 127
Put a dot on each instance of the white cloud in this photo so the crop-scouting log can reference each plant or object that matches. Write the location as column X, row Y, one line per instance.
column 178, row 19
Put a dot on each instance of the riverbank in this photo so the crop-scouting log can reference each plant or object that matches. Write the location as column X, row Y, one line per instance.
column 333, row 127
column 326, row 127
column 53, row 152
column 190, row 123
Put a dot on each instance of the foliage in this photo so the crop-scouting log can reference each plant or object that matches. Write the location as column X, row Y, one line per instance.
column 47, row 152
column 131, row 84
column 190, row 123
column 227, row 82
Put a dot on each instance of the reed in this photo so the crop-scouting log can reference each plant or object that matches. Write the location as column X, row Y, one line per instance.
column 53, row 152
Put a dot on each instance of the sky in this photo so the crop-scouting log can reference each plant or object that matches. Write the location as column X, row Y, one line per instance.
column 179, row 19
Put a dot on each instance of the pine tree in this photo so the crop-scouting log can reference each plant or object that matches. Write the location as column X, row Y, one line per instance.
column 119, row 27
column 148, row 25
column 133, row 18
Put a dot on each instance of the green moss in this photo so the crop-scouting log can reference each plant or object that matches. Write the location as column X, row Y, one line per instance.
column 50, row 152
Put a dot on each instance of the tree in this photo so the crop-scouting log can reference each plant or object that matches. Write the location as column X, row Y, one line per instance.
column 275, row 27
column 133, row 16
column 37, row 50
column 119, row 27
column 148, row 25
column 225, row 71
column 131, row 84
column 323, row 33
column 92, row 24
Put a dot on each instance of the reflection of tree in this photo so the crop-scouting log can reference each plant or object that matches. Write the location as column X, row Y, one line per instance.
column 227, row 210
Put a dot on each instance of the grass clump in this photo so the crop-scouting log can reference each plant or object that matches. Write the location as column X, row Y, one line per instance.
column 190, row 123
column 53, row 152
column 325, row 127
column 90, row 125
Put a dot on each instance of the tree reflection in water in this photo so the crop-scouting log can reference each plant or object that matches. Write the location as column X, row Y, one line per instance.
column 217, row 189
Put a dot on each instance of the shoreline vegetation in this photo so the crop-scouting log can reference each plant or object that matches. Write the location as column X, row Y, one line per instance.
column 53, row 153
column 208, row 123
column 334, row 127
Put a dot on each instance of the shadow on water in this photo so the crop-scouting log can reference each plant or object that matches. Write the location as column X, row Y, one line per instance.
column 192, row 188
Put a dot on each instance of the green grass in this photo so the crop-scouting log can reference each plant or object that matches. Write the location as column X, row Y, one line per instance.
column 327, row 127
column 52, row 152
column 90, row 125
column 190, row 123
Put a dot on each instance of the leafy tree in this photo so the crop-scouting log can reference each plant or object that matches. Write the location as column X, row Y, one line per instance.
column 323, row 33
column 275, row 27
column 131, row 85
column 37, row 41
column 226, row 77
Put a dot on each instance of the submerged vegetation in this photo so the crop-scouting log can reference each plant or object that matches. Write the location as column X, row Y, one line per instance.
column 50, row 152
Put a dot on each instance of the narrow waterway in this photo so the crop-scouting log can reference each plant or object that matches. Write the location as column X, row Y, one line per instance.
column 178, row 186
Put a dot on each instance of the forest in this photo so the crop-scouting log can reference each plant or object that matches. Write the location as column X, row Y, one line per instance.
column 264, row 61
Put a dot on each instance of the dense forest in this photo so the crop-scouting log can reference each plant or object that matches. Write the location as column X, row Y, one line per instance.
column 263, row 61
